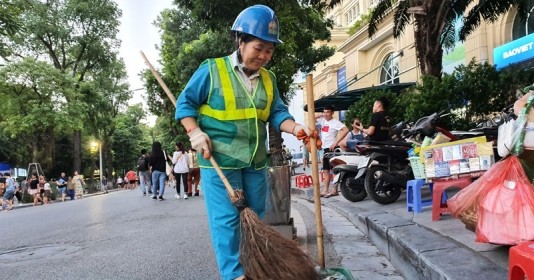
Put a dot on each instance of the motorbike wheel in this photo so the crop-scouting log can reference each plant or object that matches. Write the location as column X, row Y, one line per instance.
column 352, row 192
column 380, row 191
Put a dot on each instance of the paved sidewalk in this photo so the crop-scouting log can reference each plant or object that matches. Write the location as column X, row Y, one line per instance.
column 416, row 246
column 359, row 255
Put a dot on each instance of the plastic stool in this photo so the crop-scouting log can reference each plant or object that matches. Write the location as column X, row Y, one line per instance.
column 413, row 195
column 303, row 181
column 299, row 181
column 439, row 204
column 521, row 261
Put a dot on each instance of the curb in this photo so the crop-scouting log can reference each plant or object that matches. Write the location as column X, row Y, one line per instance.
column 17, row 206
column 415, row 251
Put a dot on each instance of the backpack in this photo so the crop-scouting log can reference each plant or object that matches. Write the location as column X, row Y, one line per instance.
column 141, row 164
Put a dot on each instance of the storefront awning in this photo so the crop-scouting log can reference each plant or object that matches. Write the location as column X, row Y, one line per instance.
column 343, row 100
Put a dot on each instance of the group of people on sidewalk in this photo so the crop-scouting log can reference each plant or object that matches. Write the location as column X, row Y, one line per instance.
column 39, row 188
column 155, row 173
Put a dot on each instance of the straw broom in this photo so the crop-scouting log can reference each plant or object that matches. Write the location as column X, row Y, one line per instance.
column 264, row 253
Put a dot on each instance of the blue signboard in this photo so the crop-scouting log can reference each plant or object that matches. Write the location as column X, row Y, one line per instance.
column 516, row 51
column 342, row 79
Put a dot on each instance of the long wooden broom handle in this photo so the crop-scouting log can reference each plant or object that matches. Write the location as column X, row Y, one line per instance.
column 160, row 81
column 171, row 97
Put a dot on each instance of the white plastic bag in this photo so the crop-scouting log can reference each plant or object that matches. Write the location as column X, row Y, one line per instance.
column 507, row 138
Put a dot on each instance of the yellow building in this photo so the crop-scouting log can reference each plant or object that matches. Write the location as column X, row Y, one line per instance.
column 361, row 62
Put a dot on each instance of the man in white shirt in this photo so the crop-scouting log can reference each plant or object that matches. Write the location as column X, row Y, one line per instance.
column 332, row 132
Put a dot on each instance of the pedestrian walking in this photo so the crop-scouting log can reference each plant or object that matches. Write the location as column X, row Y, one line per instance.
column 131, row 179
column 180, row 169
column 7, row 200
column 193, row 177
column 225, row 108
column 71, row 188
column 78, row 184
column 142, row 169
column 62, row 186
column 157, row 163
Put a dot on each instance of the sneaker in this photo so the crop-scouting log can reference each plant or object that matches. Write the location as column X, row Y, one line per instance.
column 153, row 197
column 185, row 196
column 197, row 194
column 161, row 198
column 177, row 196
column 144, row 193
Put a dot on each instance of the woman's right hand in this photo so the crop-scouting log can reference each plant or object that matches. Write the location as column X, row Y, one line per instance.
column 200, row 141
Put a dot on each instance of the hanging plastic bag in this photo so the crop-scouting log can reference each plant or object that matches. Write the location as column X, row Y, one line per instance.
column 506, row 211
column 466, row 201
column 506, row 138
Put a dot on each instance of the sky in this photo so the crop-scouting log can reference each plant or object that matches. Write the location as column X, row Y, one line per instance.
column 138, row 33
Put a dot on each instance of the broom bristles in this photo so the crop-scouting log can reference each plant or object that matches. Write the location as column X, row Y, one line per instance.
column 266, row 254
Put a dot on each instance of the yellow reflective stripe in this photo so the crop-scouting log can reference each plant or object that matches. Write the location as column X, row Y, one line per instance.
column 268, row 84
column 229, row 98
column 238, row 114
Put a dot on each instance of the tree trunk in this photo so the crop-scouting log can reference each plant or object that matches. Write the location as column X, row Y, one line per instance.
column 275, row 147
column 428, row 47
column 77, row 151
column 49, row 156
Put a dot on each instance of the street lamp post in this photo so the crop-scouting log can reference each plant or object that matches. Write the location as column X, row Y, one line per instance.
column 102, row 187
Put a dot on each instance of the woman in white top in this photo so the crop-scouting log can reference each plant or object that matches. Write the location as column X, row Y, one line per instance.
column 181, row 168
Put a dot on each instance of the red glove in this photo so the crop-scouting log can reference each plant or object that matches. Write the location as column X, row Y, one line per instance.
column 301, row 135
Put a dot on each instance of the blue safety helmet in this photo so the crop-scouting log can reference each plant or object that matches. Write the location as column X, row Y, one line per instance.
column 258, row 21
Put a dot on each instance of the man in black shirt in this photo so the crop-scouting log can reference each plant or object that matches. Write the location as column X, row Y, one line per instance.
column 378, row 130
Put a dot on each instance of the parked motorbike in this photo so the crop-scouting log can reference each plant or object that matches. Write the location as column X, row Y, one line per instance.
column 387, row 168
column 345, row 168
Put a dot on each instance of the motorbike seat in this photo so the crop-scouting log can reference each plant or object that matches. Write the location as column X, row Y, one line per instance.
column 390, row 143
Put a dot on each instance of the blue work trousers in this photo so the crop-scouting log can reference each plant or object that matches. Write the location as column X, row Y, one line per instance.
column 223, row 217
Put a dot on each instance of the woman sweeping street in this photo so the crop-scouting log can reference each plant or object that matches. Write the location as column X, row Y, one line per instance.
column 225, row 108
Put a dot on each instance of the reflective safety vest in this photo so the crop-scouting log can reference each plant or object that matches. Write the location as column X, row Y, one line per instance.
column 234, row 119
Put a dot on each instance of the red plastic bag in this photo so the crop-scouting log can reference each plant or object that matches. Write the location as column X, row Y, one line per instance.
column 506, row 212
column 503, row 201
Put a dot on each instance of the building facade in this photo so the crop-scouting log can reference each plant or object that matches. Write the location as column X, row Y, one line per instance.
column 361, row 62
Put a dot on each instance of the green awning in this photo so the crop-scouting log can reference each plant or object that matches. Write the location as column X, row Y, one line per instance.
column 343, row 100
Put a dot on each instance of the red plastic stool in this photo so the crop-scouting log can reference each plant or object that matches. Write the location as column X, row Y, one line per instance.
column 309, row 180
column 298, row 181
column 303, row 181
column 521, row 261
column 439, row 206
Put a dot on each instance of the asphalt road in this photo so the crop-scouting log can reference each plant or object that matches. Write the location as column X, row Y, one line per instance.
column 120, row 235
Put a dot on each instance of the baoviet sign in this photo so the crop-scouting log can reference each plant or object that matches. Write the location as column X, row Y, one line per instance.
column 516, row 51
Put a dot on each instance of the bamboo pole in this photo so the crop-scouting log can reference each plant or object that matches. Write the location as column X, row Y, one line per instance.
column 159, row 79
column 315, row 172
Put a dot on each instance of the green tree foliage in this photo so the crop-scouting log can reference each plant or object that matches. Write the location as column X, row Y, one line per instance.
column 76, row 37
column 10, row 24
column 472, row 94
column 76, row 46
column 35, row 95
column 127, row 139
